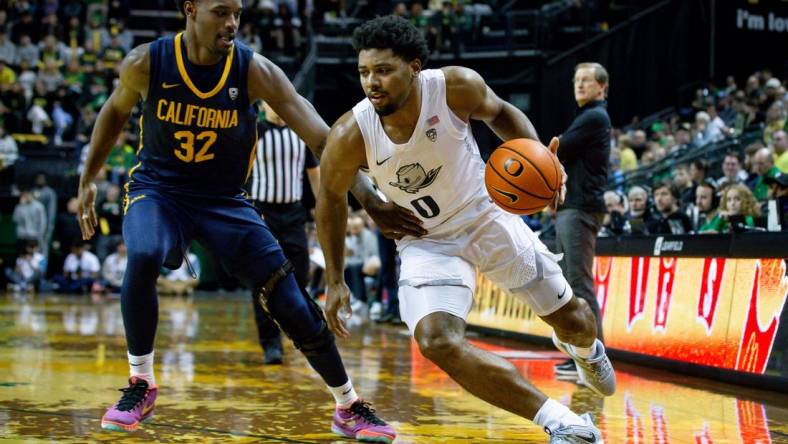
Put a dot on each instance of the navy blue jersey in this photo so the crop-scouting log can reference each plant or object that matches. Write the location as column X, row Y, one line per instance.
column 198, row 131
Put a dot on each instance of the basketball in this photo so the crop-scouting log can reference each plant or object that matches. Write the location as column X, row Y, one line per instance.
column 522, row 176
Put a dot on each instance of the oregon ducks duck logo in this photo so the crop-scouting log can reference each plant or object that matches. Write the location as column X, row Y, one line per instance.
column 411, row 178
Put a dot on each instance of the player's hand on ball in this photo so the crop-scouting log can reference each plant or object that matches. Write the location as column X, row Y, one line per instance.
column 86, row 214
column 559, row 198
column 395, row 221
column 338, row 297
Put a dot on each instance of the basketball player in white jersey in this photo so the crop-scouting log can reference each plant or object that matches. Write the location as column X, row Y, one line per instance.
column 412, row 134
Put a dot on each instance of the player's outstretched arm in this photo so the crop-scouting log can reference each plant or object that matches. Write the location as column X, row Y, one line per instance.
column 133, row 86
column 343, row 156
column 470, row 98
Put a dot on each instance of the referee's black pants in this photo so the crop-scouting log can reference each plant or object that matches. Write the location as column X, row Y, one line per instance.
column 287, row 222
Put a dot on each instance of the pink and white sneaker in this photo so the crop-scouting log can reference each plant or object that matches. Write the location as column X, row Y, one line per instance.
column 135, row 407
column 360, row 422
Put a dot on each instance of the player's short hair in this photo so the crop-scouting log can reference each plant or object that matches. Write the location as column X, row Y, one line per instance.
column 394, row 33
column 179, row 5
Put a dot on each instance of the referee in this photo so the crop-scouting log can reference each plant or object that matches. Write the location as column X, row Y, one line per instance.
column 276, row 188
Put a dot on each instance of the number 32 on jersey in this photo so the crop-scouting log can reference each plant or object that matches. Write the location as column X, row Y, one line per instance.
column 185, row 151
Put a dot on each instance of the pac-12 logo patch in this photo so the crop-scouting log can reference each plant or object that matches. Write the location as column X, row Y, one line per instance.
column 432, row 134
column 233, row 93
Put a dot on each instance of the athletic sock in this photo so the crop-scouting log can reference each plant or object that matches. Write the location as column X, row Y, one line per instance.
column 345, row 395
column 585, row 352
column 142, row 367
column 554, row 415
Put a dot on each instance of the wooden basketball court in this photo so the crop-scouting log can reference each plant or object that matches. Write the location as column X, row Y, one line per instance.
column 62, row 360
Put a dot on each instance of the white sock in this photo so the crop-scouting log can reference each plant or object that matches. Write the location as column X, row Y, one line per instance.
column 345, row 395
column 585, row 352
column 142, row 367
column 553, row 415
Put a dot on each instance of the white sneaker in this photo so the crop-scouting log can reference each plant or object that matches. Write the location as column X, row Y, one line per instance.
column 595, row 372
column 577, row 434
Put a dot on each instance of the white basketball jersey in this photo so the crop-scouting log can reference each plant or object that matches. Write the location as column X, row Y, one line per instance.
column 439, row 172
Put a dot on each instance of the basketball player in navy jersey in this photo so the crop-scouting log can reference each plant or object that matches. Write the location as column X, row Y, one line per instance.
column 411, row 133
column 198, row 92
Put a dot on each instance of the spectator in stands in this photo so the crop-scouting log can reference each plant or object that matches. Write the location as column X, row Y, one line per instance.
column 7, row 76
column 287, row 29
column 775, row 121
column 615, row 175
column 745, row 114
column 668, row 220
column 424, row 24
column 250, row 38
column 38, row 117
column 731, row 171
column 89, row 58
column 80, row 270
column 7, row 47
column 67, row 232
column 684, row 184
column 639, row 212
column 61, row 121
column 708, row 130
column 615, row 221
column 778, row 191
column 9, row 153
column 780, row 148
column 117, row 28
column 629, row 160
column 28, row 270
column 705, row 204
column 25, row 26
column 50, row 75
column 111, row 56
column 74, row 35
column 763, row 165
column 27, row 51
column 361, row 248
column 110, row 217
column 121, row 159
column 30, row 219
column 53, row 50
column 738, row 207
column 699, row 169
column 114, row 269
column 180, row 282
column 43, row 193
column 639, row 142
column 27, row 78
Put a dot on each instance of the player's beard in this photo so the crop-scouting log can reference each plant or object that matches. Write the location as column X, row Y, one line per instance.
column 386, row 110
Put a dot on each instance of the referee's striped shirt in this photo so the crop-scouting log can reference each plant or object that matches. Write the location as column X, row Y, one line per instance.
column 279, row 164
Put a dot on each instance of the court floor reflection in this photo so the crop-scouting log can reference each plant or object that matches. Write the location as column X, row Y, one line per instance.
column 61, row 360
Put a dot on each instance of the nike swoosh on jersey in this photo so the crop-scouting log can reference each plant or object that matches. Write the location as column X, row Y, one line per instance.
column 512, row 197
column 384, row 161
column 166, row 85
column 562, row 293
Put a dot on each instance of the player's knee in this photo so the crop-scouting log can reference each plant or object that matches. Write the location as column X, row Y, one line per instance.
column 440, row 348
column 316, row 344
column 576, row 320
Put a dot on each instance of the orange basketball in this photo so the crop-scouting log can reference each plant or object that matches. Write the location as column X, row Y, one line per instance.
column 522, row 176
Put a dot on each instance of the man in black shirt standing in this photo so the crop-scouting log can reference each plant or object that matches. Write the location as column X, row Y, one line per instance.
column 584, row 152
